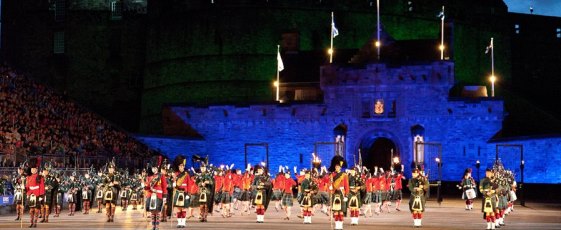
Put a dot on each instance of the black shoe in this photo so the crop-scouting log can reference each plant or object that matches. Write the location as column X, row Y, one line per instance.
column 17, row 218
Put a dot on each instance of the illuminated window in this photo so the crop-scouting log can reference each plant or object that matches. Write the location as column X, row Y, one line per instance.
column 410, row 6
column 558, row 32
column 517, row 28
column 58, row 42
column 116, row 10
column 60, row 10
column 379, row 107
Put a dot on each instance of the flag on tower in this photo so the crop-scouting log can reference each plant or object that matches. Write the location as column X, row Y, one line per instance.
column 489, row 47
column 334, row 29
column 280, row 65
column 441, row 15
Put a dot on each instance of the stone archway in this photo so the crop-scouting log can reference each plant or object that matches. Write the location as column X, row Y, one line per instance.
column 377, row 152
column 377, row 148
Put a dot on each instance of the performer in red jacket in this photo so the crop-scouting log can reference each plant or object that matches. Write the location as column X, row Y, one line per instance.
column 156, row 191
column 181, row 185
column 35, row 187
column 339, row 187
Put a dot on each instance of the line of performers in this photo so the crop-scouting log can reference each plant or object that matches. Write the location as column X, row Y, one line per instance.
column 47, row 191
column 230, row 189
column 162, row 188
column 498, row 189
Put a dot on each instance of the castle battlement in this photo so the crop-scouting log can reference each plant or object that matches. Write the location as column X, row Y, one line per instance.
column 252, row 112
column 438, row 74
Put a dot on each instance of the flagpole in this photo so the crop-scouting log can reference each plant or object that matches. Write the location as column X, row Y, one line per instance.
column 442, row 35
column 378, row 28
column 278, row 75
column 492, row 69
column 331, row 46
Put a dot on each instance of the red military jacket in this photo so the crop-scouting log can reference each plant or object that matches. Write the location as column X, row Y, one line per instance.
column 340, row 182
column 323, row 183
column 153, row 185
column 237, row 180
column 278, row 182
column 182, row 183
column 228, row 184
column 375, row 184
column 398, row 183
column 369, row 184
column 246, row 181
column 218, row 181
column 193, row 187
column 34, row 187
column 287, row 185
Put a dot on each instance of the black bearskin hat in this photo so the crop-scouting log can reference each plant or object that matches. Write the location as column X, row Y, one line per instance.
column 337, row 160
column 155, row 161
column 179, row 159
column 111, row 164
column 203, row 160
column 34, row 163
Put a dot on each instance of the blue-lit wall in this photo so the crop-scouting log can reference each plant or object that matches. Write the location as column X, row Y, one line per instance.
column 463, row 127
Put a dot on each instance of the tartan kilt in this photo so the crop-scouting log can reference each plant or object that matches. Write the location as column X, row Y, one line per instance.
column 377, row 197
column 19, row 198
column 307, row 199
column 367, row 199
column 32, row 202
column 114, row 195
column 386, row 196
column 397, row 195
column 422, row 203
column 245, row 196
column 287, row 199
column 225, row 198
column 88, row 194
column 237, row 193
column 186, row 202
column 194, row 200
column 72, row 198
column 157, row 201
column 322, row 197
column 59, row 198
column 99, row 194
column 254, row 196
column 218, row 197
column 277, row 195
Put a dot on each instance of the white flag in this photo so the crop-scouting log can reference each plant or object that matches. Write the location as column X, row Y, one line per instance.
column 441, row 15
column 334, row 29
column 489, row 47
column 280, row 65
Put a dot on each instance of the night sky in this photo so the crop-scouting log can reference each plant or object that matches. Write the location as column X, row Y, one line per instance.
column 541, row 7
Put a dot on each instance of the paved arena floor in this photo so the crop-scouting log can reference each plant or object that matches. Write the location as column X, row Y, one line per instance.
column 449, row 215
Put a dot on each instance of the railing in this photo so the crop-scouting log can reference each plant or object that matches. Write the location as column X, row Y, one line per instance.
column 72, row 162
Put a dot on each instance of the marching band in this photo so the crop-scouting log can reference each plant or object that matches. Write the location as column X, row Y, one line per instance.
column 337, row 191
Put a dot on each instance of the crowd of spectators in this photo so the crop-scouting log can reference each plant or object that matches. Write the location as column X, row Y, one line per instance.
column 35, row 120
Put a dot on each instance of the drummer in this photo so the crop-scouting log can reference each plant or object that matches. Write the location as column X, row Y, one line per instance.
column 468, row 189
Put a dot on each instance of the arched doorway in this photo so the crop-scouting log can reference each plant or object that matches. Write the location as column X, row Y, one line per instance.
column 378, row 151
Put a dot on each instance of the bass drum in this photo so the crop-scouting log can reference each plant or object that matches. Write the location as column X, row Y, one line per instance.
column 470, row 194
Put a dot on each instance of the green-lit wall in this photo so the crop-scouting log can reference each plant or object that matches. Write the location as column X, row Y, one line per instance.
column 195, row 52
column 202, row 53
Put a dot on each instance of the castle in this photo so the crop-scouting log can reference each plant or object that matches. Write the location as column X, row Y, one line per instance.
column 371, row 114
column 195, row 77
